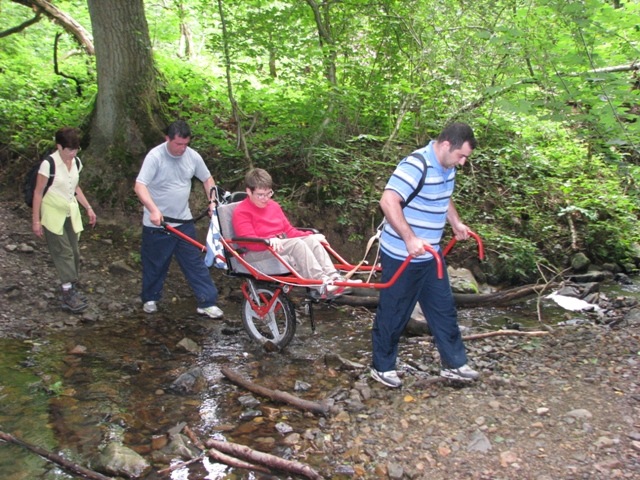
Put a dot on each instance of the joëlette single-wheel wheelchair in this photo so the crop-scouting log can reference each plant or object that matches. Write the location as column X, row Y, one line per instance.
column 268, row 313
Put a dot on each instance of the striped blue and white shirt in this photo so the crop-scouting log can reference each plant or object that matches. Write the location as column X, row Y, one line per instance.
column 427, row 212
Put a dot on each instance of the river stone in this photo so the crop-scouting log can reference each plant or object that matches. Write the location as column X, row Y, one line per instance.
column 395, row 471
column 188, row 382
column 462, row 280
column 335, row 361
column 24, row 248
column 121, row 461
column 248, row 401
column 180, row 445
column 284, row 428
column 301, row 386
column 119, row 267
column 580, row 262
column 478, row 442
column 580, row 413
column 189, row 346
column 588, row 277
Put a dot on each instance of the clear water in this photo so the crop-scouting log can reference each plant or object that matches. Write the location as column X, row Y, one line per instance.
column 72, row 404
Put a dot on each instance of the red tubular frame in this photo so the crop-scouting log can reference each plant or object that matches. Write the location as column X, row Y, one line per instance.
column 294, row 278
column 472, row 234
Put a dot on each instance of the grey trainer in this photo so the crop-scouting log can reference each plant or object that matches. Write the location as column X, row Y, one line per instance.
column 464, row 373
column 390, row 378
column 150, row 307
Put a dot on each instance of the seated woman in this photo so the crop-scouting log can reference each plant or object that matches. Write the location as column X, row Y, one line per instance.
column 258, row 216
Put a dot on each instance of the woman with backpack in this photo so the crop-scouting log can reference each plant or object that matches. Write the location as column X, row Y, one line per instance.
column 56, row 212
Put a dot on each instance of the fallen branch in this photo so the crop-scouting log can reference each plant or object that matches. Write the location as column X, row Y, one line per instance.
column 179, row 465
column 271, row 461
column 497, row 333
column 465, row 300
column 275, row 395
column 215, row 455
column 68, row 465
column 220, row 457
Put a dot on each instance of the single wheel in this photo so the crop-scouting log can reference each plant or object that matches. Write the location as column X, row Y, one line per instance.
column 278, row 325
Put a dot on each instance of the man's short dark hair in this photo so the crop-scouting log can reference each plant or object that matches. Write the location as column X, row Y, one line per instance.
column 457, row 134
column 68, row 137
column 179, row 128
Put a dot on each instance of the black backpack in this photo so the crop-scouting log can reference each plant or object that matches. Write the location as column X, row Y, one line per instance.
column 30, row 180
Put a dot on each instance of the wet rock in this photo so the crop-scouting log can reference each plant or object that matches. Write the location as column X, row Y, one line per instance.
column 248, row 401
column 189, row 346
column 587, row 277
column 344, row 470
column 159, row 441
column 580, row 263
column 284, row 428
column 189, row 382
column 250, row 415
column 301, row 386
column 121, row 461
column 182, row 447
column 336, row 362
column 177, row 429
column 292, row 439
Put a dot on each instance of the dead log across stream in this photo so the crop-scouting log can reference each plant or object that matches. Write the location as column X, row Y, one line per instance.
column 466, row 300
column 67, row 465
column 275, row 395
column 277, row 463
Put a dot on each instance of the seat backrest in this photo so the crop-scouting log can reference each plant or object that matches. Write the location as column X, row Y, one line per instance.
column 269, row 265
column 225, row 215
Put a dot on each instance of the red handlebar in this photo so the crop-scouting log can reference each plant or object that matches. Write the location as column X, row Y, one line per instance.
column 472, row 234
column 432, row 251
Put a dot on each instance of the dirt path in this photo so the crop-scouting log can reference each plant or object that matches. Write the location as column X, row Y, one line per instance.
column 562, row 406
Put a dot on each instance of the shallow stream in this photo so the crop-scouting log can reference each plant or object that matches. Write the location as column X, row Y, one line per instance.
column 74, row 390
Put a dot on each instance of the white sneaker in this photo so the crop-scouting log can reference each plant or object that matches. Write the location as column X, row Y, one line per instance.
column 211, row 312
column 390, row 378
column 464, row 373
column 150, row 307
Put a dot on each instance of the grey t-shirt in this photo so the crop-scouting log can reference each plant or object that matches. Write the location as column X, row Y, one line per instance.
column 168, row 180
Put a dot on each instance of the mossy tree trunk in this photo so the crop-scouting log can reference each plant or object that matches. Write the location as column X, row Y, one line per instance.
column 127, row 118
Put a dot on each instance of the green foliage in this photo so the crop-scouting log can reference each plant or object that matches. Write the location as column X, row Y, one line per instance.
column 557, row 166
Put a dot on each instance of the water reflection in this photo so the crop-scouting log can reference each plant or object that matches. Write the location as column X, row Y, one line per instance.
column 81, row 388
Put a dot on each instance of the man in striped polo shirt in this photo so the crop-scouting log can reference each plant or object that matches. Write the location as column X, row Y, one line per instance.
column 409, row 227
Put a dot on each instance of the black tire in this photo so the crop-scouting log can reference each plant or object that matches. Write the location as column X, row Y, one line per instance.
column 279, row 325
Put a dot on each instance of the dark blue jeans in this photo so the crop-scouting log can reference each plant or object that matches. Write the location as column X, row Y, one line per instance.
column 418, row 283
column 157, row 250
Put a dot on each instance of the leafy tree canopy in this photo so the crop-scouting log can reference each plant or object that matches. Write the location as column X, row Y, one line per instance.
column 329, row 96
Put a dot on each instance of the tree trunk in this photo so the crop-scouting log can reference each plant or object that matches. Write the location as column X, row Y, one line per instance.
column 127, row 118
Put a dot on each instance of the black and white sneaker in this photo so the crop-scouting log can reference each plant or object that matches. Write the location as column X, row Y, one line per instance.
column 390, row 378
column 464, row 373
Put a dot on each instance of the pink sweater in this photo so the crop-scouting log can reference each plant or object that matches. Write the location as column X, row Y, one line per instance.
column 268, row 222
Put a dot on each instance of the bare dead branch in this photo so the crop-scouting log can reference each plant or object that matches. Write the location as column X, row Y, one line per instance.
column 22, row 26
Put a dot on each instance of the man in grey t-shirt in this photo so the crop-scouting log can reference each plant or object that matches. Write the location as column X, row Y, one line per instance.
column 163, row 186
